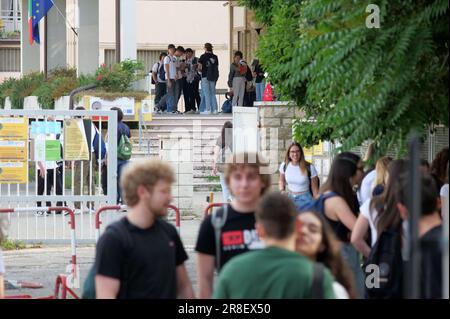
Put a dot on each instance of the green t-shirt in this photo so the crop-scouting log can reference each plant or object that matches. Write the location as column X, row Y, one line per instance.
column 270, row 273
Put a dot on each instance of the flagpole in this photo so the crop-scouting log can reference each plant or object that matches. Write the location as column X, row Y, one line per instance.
column 118, row 31
column 45, row 47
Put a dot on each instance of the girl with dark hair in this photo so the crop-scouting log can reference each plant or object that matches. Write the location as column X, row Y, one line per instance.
column 299, row 176
column 222, row 149
column 317, row 241
column 341, row 207
column 439, row 167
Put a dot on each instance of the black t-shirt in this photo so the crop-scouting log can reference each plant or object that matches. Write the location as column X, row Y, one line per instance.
column 238, row 236
column 203, row 61
column 259, row 73
column 431, row 266
column 148, row 269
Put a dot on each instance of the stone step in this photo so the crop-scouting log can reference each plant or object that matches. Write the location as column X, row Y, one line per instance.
column 156, row 144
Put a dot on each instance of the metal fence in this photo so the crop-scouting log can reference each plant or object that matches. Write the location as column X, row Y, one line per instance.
column 76, row 184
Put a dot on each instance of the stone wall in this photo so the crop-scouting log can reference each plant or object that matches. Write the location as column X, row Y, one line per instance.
column 177, row 151
column 275, row 123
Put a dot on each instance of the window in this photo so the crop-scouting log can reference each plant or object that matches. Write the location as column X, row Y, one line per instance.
column 110, row 57
column 148, row 57
column 9, row 59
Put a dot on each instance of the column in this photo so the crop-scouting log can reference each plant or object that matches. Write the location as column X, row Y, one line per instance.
column 128, row 25
column 57, row 36
column 88, row 36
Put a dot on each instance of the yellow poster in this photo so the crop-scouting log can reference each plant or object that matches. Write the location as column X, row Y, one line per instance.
column 316, row 150
column 13, row 150
column 13, row 128
column 13, row 173
column 75, row 142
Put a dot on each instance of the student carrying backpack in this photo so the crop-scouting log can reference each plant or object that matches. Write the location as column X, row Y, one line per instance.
column 212, row 73
column 308, row 169
column 121, row 232
column 386, row 256
column 125, row 148
column 99, row 150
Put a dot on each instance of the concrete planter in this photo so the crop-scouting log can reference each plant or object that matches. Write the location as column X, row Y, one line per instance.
column 7, row 105
column 62, row 103
column 31, row 103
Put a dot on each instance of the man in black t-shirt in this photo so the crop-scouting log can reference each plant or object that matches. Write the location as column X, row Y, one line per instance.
column 141, row 255
column 431, row 236
column 238, row 234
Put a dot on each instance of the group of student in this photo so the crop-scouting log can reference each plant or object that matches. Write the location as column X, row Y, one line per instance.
column 367, row 211
column 179, row 71
column 268, row 244
column 282, row 244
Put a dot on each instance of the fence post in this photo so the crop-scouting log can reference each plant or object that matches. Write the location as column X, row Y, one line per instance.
column 412, row 243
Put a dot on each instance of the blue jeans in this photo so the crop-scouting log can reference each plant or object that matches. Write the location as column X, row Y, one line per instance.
column 260, row 90
column 209, row 87
column 225, row 190
column 301, row 200
column 352, row 257
column 170, row 97
column 202, row 106
column 120, row 165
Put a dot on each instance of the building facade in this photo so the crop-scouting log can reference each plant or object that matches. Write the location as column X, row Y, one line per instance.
column 85, row 36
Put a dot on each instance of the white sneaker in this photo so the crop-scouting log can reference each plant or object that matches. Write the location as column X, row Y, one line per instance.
column 77, row 211
column 89, row 211
column 40, row 213
column 206, row 112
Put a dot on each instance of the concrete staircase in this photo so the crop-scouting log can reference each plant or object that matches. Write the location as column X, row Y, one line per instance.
column 197, row 133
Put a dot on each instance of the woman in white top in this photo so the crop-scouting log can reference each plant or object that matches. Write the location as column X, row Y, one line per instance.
column 316, row 241
column 298, row 176
column 370, row 210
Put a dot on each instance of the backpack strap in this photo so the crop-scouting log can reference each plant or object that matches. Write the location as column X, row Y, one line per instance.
column 218, row 220
column 121, row 229
column 329, row 195
column 317, row 281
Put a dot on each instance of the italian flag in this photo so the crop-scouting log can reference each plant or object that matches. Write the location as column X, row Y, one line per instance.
column 30, row 21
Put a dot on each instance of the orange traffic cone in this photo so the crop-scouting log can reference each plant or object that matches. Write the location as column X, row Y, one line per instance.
column 268, row 94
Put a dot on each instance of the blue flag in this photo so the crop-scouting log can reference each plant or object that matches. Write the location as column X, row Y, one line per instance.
column 39, row 9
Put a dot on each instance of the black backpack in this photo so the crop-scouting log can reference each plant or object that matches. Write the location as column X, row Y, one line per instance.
column 89, row 284
column 387, row 255
column 212, row 72
column 249, row 75
column 162, row 72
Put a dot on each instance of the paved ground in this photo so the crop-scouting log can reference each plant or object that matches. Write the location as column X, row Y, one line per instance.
column 44, row 264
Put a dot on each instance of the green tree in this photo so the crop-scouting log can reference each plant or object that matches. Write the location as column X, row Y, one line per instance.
column 358, row 83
